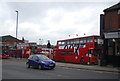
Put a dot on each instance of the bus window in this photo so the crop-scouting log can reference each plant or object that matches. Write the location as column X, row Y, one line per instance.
column 91, row 51
column 98, row 42
column 33, row 47
column 82, row 40
column 71, row 41
column 89, row 39
column 33, row 44
column 77, row 45
column 76, row 41
column 95, row 40
column 95, row 52
column 59, row 43
column 63, row 42
column 68, row 42
column 61, row 47
column 26, row 45
column 82, row 46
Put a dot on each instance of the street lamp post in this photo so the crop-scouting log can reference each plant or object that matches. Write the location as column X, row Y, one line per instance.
column 16, row 28
column 16, row 23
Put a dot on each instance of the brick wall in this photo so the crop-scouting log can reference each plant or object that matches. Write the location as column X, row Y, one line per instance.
column 11, row 40
column 112, row 21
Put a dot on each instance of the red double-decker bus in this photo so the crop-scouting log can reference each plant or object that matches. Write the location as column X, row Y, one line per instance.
column 79, row 50
column 27, row 49
column 4, row 50
column 46, row 51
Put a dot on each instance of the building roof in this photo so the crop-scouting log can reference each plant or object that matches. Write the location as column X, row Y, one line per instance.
column 114, row 7
column 9, row 37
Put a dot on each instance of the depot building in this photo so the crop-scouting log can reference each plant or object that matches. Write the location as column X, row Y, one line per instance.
column 110, row 32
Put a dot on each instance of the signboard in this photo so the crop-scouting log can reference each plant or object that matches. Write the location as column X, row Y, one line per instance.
column 112, row 35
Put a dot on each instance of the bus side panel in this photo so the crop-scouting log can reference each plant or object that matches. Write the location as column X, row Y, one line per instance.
column 56, row 55
column 83, row 54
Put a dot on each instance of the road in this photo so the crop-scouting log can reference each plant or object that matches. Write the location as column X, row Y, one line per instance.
column 16, row 69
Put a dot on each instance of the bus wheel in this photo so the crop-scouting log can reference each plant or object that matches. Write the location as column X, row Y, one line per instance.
column 82, row 60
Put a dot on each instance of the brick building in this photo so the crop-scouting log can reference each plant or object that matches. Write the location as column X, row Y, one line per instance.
column 110, row 32
column 10, row 39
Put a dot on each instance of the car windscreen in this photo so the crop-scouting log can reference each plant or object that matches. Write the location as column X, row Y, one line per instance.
column 43, row 57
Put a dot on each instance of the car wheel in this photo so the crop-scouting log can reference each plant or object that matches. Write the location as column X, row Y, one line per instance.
column 82, row 60
column 40, row 67
column 28, row 65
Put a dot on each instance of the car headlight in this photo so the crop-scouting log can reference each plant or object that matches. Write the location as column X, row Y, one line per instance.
column 53, row 61
column 42, row 62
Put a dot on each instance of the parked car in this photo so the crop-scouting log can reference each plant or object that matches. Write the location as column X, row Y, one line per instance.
column 40, row 62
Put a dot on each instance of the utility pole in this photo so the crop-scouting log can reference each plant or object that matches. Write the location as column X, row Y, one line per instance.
column 16, row 28
column 16, row 24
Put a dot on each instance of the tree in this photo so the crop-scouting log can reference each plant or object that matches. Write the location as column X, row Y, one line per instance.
column 48, row 45
column 23, row 39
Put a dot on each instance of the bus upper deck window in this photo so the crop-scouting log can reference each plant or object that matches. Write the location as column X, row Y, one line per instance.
column 89, row 39
column 59, row 43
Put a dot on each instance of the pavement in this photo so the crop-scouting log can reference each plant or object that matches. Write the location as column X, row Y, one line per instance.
column 85, row 67
column 90, row 67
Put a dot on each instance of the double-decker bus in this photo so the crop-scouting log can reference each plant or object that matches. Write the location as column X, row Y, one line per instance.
column 26, row 49
column 45, row 51
column 12, row 50
column 85, row 50
column 4, row 50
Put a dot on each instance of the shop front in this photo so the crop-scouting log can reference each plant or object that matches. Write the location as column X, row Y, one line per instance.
column 112, row 47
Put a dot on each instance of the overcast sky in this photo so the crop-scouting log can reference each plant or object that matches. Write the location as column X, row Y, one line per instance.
column 51, row 20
